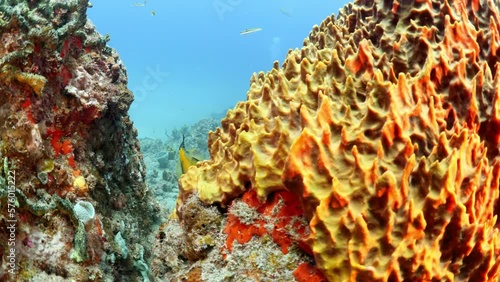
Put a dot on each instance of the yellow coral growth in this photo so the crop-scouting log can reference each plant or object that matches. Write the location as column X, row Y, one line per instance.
column 80, row 185
column 386, row 125
column 35, row 81
column 367, row 200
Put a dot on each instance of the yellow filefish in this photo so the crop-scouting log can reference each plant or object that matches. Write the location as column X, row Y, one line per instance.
column 186, row 159
column 250, row 30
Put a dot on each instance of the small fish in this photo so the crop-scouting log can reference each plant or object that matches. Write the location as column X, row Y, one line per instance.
column 250, row 30
column 90, row 5
column 139, row 4
column 186, row 159
column 153, row 13
column 285, row 12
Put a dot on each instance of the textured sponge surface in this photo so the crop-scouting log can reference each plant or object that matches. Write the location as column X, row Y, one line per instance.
column 84, row 211
column 386, row 126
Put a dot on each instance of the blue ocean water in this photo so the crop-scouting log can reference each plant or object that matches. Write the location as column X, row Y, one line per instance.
column 187, row 60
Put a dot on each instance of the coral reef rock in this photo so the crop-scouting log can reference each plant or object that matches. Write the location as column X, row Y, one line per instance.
column 385, row 126
column 68, row 150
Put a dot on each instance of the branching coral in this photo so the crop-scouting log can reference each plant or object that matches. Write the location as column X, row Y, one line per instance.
column 36, row 20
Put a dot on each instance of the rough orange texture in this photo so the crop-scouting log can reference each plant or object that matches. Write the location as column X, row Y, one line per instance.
column 398, row 167
column 280, row 217
column 386, row 125
column 308, row 273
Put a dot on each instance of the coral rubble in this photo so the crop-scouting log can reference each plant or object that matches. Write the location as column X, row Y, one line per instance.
column 66, row 135
column 385, row 128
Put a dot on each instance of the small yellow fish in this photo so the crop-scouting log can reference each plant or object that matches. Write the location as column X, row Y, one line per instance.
column 186, row 159
column 250, row 30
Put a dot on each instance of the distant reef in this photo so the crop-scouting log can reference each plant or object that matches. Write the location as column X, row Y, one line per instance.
column 72, row 186
column 370, row 154
column 162, row 159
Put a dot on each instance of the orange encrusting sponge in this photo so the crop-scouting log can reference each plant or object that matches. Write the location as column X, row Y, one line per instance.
column 308, row 273
column 282, row 211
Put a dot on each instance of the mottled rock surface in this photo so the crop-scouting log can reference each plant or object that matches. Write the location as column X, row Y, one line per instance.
column 66, row 134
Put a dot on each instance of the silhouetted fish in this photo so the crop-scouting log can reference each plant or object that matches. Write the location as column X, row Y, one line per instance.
column 250, row 30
